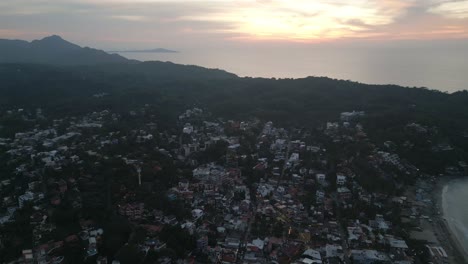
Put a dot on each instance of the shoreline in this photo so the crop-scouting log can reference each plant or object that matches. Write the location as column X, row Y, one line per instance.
column 445, row 230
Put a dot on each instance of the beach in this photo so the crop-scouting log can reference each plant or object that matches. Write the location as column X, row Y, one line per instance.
column 453, row 204
column 437, row 200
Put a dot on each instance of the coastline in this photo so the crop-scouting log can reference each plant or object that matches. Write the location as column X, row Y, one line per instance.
column 445, row 232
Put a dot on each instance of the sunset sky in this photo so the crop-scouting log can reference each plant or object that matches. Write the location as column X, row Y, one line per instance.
column 406, row 42
column 169, row 23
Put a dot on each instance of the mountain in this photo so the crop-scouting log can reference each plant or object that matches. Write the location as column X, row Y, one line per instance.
column 79, row 73
column 54, row 50
column 157, row 50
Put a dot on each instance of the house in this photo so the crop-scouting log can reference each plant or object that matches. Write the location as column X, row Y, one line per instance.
column 232, row 243
column 170, row 220
column 380, row 223
column 29, row 196
column 28, row 256
column 188, row 129
column 265, row 189
column 313, row 255
column 340, row 180
column 294, row 158
column 197, row 213
column 133, row 211
column 228, row 256
column 349, row 116
column 334, row 251
column 437, row 254
column 201, row 172
column 183, row 185
column 279, row 145
column 308, row 261
column 92, row 247
column 189, row 226
column 210, row 173
column 202, row 242
column 321, row 178
column 369, row 257
column 397, row 243
column 190, row 148
column 332, row 128
column 344, row 193
column 355, row 234
column 256, row 245
column 319, row 196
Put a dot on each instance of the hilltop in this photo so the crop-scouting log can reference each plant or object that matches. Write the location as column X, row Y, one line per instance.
column 54, row 50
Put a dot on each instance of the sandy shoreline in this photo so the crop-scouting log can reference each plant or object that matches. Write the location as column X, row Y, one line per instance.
column 444, row 230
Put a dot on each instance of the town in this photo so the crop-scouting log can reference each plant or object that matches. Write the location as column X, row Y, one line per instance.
column 113, row 187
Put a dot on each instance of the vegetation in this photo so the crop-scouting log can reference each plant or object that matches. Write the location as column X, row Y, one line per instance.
column 171, row 88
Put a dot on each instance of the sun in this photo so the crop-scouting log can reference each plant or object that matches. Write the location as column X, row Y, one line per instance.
column 307, row 20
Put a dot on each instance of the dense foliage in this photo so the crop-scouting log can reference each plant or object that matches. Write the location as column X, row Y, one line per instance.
column 303, row 101
column 308, row 102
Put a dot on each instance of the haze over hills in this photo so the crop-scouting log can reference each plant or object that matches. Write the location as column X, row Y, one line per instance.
column 156, row 50
column 54, row 50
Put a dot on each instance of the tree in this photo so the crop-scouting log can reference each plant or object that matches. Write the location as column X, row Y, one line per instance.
column 129, row 254
column 278, row 229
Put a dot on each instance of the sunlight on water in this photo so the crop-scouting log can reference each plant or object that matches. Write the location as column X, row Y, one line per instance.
column 445, row 71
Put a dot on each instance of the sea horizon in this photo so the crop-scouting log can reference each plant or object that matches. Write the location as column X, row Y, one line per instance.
column 409, row 68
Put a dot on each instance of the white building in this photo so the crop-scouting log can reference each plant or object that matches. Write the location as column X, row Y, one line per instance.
column 369, row 256
column 348, row 116
column 294, row 158
column 29, row 196
column 188, row 129
column 333, row 251
column 310, row 256
column 321, row 178
column 319, row 195
column 197, row 213
column 340, row 180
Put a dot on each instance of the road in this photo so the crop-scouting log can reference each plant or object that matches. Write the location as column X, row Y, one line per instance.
column 245, row 239
column 343, row 232
column 286, row 158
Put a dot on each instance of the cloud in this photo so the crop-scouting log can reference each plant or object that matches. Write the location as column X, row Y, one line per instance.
column 304, row 19
column 451, row 9
column 254, row 20
column 133, row 18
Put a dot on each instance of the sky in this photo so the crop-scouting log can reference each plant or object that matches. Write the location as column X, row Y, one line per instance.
column 146, row 23
column 247, row 26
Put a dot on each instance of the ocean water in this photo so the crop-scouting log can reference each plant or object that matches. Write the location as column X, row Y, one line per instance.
column 437, row 66
column 455, row 209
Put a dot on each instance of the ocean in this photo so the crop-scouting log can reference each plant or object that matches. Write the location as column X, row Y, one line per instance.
column 436, row 66
column 455, row 209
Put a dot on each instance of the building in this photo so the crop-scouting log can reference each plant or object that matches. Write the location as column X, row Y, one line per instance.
column 349, row 116
column 369, row 257
column 29, row 196
column 321, row 178
column 344, row 193
column 340, row 180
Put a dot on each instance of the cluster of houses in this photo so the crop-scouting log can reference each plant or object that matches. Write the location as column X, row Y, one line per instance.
column 285, row 197
column 38, row 156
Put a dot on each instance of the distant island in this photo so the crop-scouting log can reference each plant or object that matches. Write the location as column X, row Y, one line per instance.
column 157, row 50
